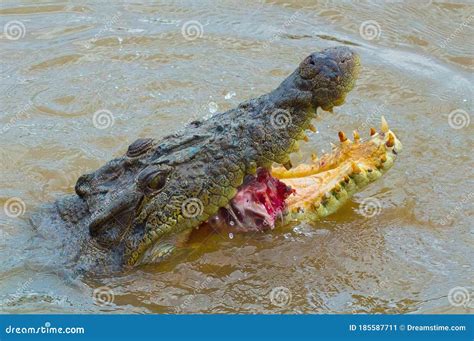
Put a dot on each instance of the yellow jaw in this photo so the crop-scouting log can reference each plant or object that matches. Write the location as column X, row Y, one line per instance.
column 324, row 185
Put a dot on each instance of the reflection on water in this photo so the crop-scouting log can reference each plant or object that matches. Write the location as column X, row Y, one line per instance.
column 80, row 83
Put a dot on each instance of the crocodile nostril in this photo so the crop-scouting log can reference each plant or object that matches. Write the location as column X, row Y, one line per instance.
column 139, row 147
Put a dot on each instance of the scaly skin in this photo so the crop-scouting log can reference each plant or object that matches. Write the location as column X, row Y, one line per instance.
column 133, row 209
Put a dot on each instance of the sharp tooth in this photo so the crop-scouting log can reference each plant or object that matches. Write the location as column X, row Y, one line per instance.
column 355, row 168
column 314, row 157
column 333, row 146
column 384, row 125
column 391, row 140
column 342, row 136
column 356, row 136
column 306, row 138
column 372, row 131
column 337, row 188
column 288, row 165
column 312, row 128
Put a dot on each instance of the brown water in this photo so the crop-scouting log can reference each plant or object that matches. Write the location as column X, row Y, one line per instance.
column 132, row 59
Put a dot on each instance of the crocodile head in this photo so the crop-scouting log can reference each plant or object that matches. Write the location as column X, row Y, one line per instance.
column 141, row 201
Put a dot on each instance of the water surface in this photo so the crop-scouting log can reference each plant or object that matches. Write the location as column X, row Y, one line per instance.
column 132, row 62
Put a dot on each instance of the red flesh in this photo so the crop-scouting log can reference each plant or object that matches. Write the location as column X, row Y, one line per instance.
column 256, row 206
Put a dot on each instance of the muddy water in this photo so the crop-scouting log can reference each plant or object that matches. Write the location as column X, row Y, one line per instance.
column 150, row 68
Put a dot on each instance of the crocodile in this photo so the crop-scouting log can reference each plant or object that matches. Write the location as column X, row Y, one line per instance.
column 140, row 207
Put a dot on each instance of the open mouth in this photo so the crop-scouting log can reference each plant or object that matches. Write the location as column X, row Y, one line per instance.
column 312, row 190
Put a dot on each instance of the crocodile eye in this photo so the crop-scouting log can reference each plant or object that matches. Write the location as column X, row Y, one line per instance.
column 152, row 179
column 158, row 181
